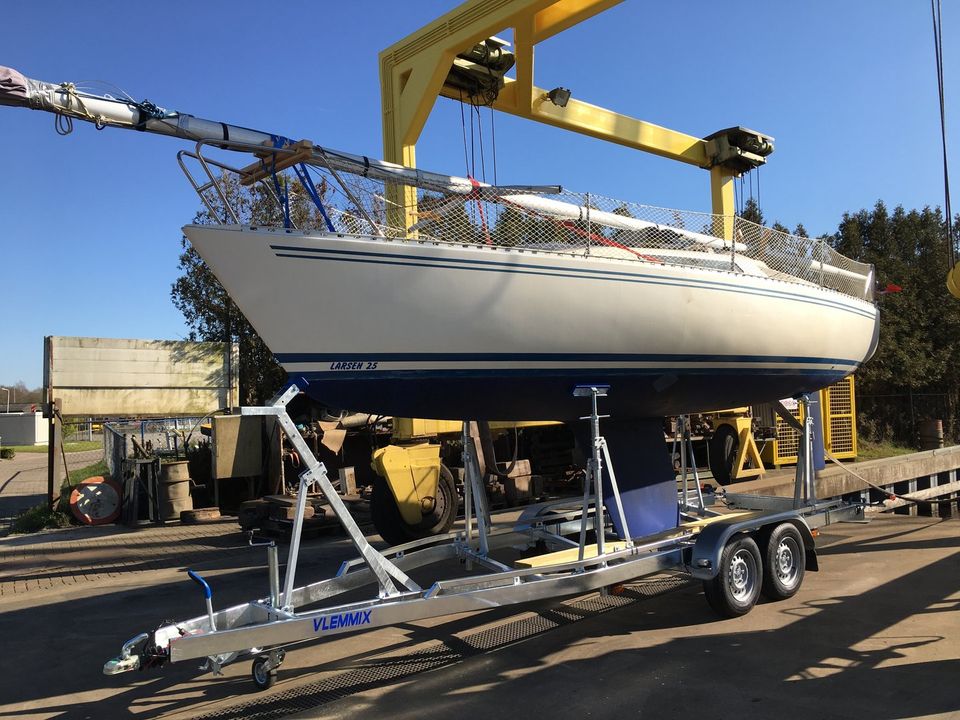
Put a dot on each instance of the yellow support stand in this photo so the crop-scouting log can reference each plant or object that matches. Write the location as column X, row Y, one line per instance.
column 748, row 452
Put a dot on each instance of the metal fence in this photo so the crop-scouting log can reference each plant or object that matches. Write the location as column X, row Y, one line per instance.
column 81, row 431
column 163, row 436
column 404, row 204
column 898, row 417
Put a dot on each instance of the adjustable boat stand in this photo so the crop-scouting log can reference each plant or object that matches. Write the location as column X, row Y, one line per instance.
column 688, row 462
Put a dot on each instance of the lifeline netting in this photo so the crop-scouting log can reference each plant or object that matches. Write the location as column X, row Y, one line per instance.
column 549, row 219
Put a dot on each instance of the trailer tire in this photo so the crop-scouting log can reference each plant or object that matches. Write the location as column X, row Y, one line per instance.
column 784, row 562
column 263, row 673
column 395, row 530
column 736, row 588
column 723, row 453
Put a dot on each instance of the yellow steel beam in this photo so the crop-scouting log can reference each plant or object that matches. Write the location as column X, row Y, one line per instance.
column 412, row 74
column 565, row 14
column 412, row 71
column 723, row 201
column 598, row 122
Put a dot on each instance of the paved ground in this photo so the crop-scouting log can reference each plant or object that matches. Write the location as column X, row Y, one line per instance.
column 876, row 633
column 23, row 481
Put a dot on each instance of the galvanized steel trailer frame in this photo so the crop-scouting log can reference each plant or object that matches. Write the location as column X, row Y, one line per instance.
column 263, row 627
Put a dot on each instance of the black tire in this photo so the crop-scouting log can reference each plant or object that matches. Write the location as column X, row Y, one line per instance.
column 784, row 562
column 736, row 588
column 395, row 530
column 263, row 675
column 723, row 453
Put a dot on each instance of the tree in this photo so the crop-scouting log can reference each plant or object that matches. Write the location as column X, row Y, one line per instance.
column 752, row 212
column 207, row 308
column 920, row 326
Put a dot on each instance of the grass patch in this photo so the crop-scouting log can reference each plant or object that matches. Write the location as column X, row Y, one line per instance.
column 78, row 446
column 81, row 474
column 40, row 517
column 867, row 450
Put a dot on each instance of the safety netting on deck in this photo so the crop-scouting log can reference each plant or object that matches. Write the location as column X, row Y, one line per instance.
column 405, row 204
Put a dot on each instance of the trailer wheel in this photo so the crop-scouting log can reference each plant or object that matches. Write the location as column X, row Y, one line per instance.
column 263, row 672
column 395, row 530
column 785, row 561
column 736, row 588
column 723, row 453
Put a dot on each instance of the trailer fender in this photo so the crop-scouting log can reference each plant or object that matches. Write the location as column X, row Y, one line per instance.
column 705, row 556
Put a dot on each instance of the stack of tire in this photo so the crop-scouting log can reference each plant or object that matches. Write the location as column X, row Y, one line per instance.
column 175, row 495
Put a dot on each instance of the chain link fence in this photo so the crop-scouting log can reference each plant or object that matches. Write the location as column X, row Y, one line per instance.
column 161, row 436
column 900, row 417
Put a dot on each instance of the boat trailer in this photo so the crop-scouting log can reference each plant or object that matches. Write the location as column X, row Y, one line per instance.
column 757, row 544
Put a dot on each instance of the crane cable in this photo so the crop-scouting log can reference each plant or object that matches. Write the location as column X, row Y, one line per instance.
column 953, row 275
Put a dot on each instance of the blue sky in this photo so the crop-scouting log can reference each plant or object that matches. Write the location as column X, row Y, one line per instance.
column 89, row 228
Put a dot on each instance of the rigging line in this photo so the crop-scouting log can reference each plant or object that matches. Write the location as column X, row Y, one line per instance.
column 759, row 205
column 493, row 140
column 463, row 128
column 483, row 164
column 935, row 10
column 473, row 152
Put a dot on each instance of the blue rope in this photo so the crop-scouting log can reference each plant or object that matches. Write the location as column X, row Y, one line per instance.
column 284, row 196
column 311, row 189
column 305, row 180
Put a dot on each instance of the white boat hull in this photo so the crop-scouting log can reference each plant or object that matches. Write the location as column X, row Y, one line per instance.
column 431, row 329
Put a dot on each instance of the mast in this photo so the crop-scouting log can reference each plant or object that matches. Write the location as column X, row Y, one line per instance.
column 64, row 99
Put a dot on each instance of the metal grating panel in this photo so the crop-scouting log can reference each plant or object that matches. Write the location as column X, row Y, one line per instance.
column 841, row 434
column 368, row 673
column 788, row 439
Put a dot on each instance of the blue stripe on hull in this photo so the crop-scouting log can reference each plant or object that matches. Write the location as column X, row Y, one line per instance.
column 528, row 268
column 542, row 395
column 288, row 358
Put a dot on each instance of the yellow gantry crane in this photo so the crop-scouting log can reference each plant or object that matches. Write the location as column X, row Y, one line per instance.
column 458, row 56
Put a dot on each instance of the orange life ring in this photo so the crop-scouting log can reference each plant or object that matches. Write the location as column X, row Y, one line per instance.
column 96, row 501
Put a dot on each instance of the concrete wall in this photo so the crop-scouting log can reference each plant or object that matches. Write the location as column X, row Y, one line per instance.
column 23, row 429
column 110, row 377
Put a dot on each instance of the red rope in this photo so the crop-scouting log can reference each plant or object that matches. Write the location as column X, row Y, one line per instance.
column 569, row 225
column 475, row 194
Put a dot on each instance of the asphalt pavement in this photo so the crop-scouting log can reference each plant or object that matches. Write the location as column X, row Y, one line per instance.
column 875, row 634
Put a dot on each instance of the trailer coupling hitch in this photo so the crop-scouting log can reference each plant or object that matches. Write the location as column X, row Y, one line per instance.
column 129, row 658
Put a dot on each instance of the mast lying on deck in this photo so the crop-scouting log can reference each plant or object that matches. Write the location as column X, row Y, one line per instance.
column 17, row 90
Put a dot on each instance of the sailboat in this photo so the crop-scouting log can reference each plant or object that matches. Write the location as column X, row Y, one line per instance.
column 429, row 295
